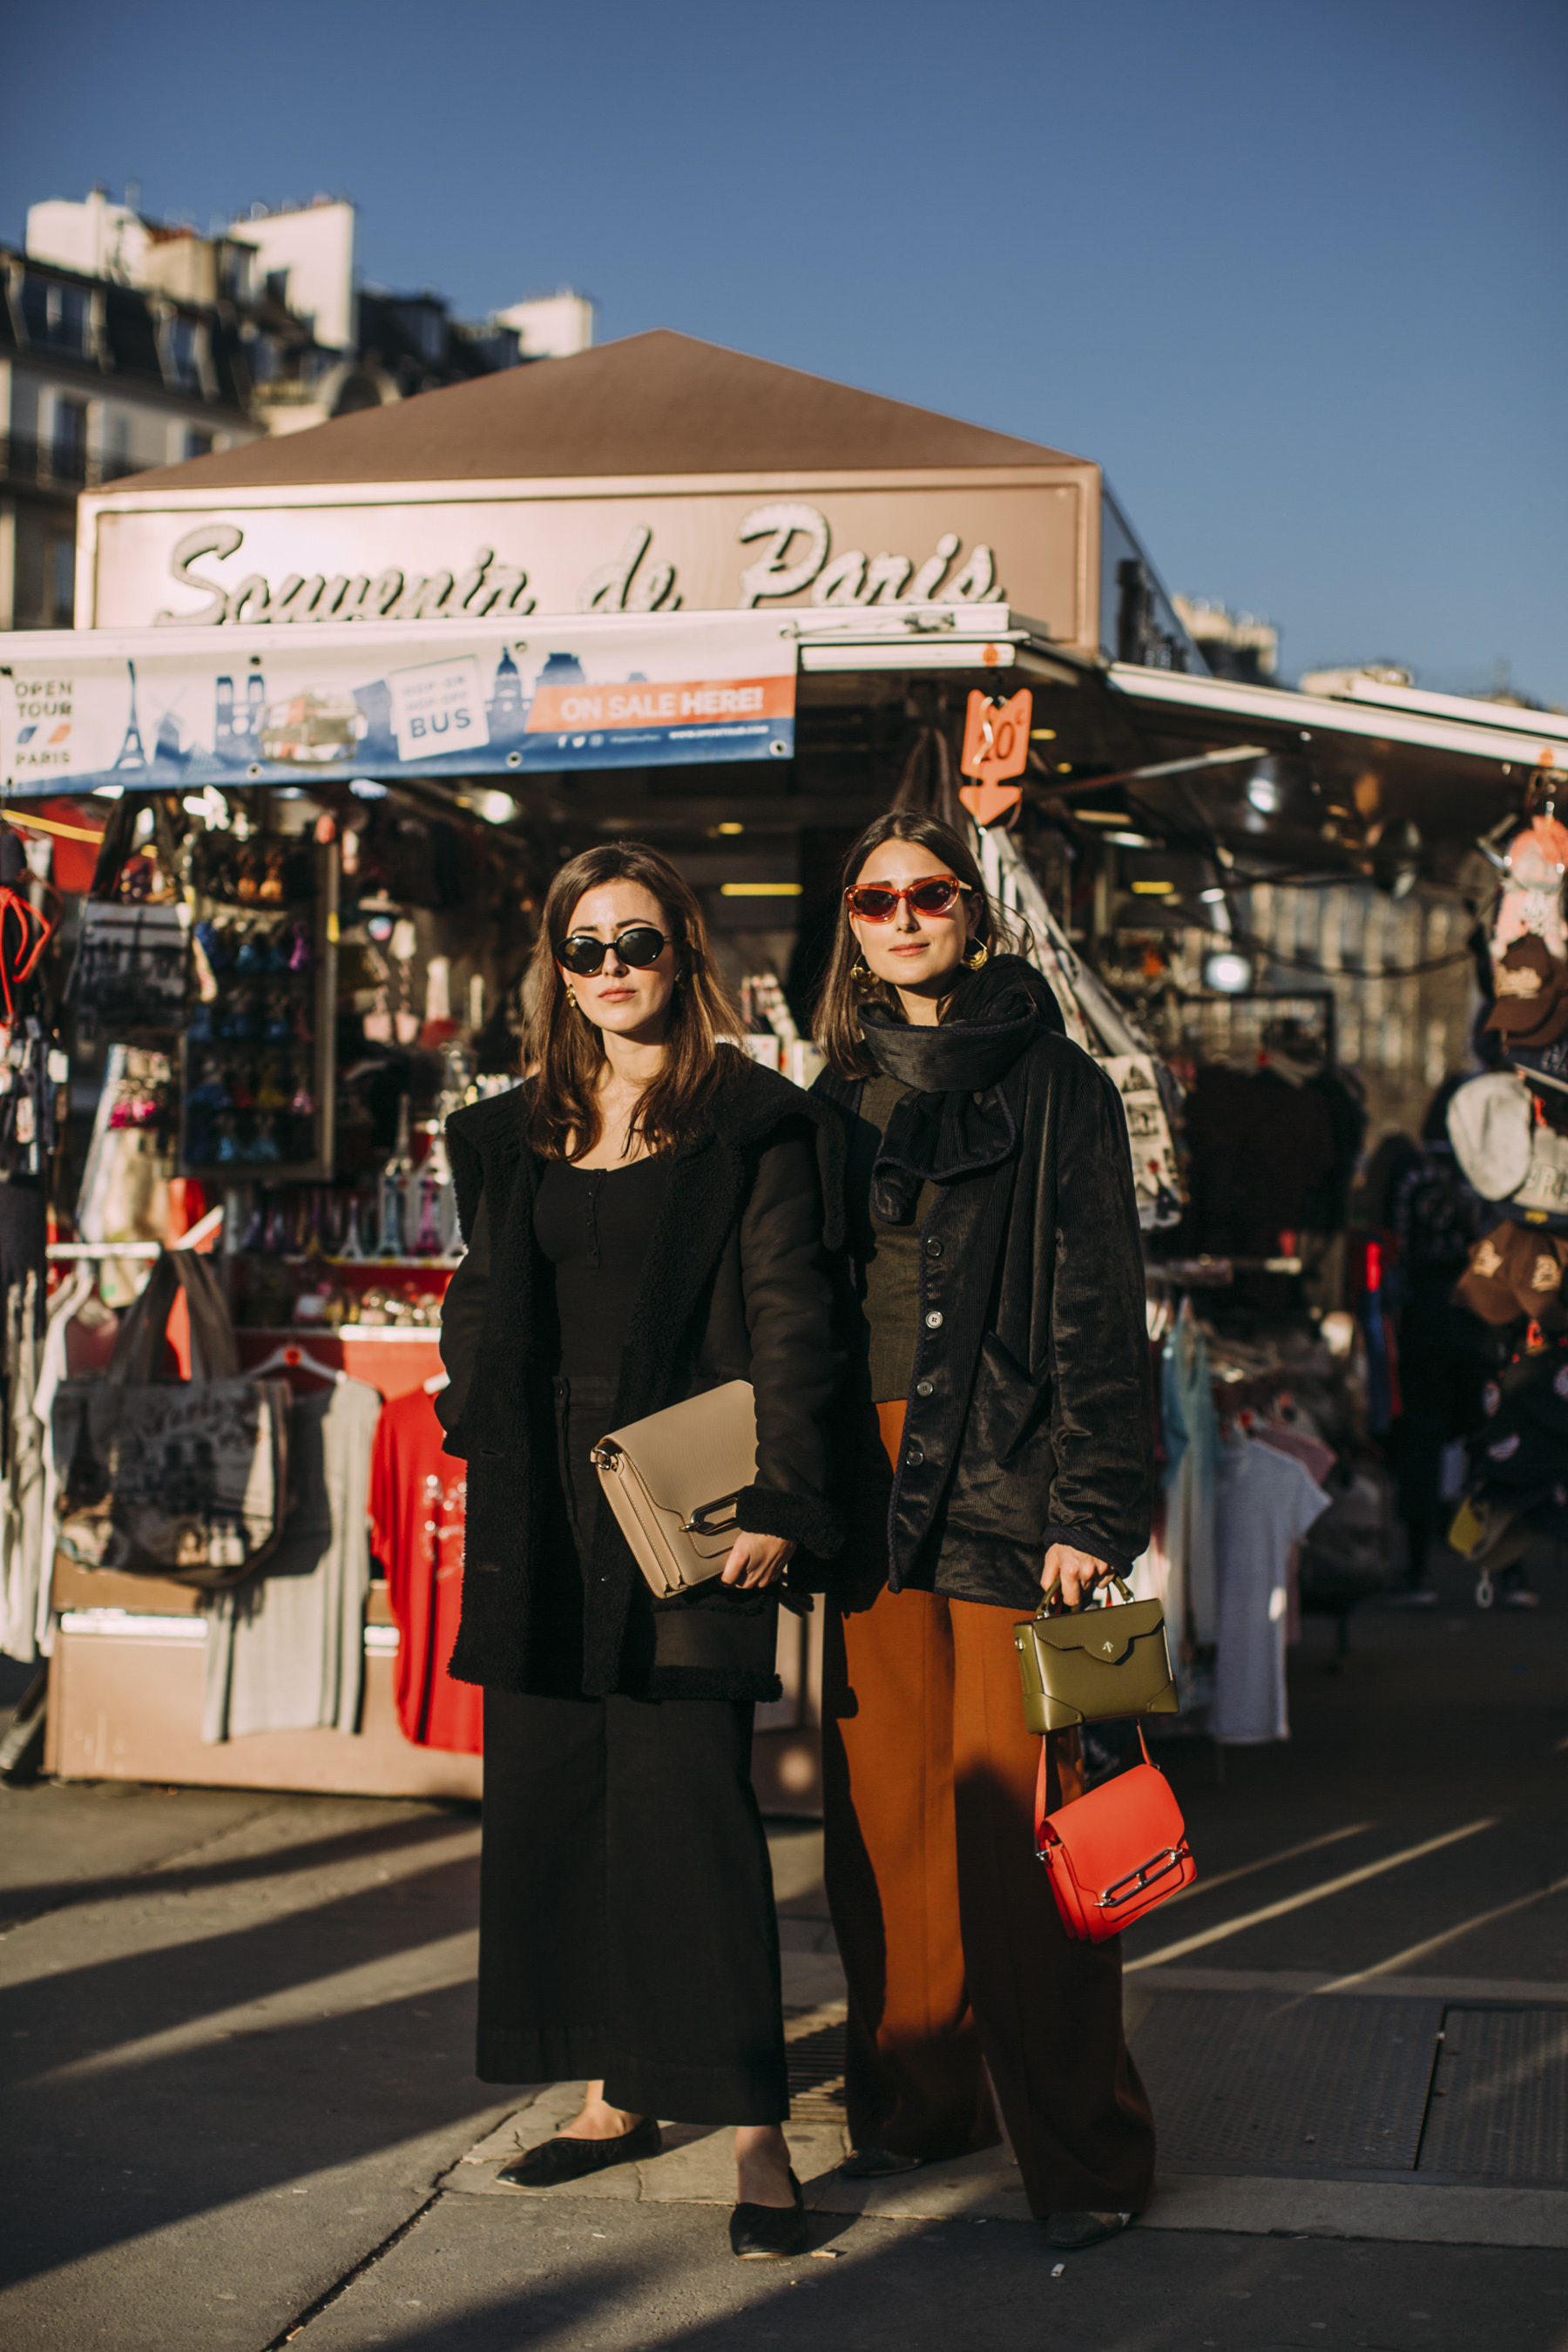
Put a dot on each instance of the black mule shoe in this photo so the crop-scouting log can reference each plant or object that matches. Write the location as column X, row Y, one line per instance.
column 554, row 2161
column 767, row 2233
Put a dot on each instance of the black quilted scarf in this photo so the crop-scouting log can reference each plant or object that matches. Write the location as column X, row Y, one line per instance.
column 958, row 1120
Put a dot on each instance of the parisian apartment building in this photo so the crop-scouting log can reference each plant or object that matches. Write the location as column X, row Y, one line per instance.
column 128, row 343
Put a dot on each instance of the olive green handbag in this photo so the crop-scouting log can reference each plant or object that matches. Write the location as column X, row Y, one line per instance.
column 1089, row 1665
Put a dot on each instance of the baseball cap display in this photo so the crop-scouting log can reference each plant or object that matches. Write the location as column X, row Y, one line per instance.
column 1518, row 1453
column 1512, row 1272
column 1532, row 989
column 1532, row 870
column 1533, row 1387
column 1506, row 1150
column 1543, row 1065
column 1490, row 1533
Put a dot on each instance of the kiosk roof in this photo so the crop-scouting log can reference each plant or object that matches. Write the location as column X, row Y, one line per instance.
column 653, row 404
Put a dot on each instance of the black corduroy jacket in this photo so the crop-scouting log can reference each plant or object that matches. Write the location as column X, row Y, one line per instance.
column 734, row 1286
column 1029, row 1418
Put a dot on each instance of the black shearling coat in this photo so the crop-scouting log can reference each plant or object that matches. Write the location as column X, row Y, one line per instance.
column 734, row 1287
column 1030, row 1415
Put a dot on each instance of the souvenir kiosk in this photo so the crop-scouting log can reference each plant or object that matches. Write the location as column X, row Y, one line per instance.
column 349, row 698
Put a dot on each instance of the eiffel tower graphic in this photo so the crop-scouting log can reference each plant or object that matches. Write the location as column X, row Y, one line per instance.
column 131, row 754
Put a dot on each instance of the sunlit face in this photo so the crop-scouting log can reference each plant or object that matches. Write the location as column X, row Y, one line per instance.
column 619, row 997
column 917, row 952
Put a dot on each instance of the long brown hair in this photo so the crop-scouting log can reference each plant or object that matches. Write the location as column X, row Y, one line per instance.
column 838, row 1012
column 564, row 1050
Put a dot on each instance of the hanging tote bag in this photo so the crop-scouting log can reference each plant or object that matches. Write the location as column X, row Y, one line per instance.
column 1115, row 1853
column 186, row 1479
column 1091, row 1665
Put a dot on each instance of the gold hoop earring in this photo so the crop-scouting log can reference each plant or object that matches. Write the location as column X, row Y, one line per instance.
column 979, row 956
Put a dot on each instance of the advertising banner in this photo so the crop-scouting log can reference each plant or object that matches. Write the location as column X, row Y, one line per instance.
column 80, row 710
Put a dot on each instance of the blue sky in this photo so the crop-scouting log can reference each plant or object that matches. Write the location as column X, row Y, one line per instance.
column 1293, row 274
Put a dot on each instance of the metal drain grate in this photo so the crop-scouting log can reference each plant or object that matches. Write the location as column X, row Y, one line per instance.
column 1250, row 2080
column 816, row 2054
column 1500, row 2098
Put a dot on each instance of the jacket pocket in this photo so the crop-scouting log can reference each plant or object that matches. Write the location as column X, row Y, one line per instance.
column 1009, row 1411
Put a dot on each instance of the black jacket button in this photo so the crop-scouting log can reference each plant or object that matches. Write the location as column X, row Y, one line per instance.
column 913, row 1458
column 933, row 1321
column 924, row 1388
column 933, row 1248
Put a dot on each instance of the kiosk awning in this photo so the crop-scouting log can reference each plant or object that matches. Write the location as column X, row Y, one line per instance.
column 1436, row 722
column 84, row 710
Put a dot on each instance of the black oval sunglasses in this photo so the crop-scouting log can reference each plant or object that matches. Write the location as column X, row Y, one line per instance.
column 583, row 956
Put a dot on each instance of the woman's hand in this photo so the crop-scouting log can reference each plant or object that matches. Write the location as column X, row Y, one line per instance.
column 756, row 1561
column 1079, row 1572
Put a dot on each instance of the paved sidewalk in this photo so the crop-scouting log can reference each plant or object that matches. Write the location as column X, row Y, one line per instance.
column 236, row 2034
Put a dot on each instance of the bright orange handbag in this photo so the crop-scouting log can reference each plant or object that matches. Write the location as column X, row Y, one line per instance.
column 1114, row 1853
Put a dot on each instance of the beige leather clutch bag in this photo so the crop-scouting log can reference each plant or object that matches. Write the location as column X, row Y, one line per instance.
column 672, row 1482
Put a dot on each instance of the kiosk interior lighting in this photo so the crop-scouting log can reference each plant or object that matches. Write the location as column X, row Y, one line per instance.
column 1100, row 816
column 1263, row 794
column 1212, row 897
column 1229, row 973
column 496, row 808
column 758, row 889
column 730, row 825
column 210, row 805
column 1153, row 890
column 1131, row 841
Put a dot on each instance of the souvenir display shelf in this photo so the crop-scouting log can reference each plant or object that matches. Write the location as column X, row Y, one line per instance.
column 259, row 1052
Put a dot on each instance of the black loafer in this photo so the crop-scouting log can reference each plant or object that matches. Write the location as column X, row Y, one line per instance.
column 760, row 2233
column 876, row 2164
column 554, row 2161
column 1070, row 2233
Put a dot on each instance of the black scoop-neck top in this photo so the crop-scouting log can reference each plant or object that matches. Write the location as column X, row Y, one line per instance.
column 595, row 1225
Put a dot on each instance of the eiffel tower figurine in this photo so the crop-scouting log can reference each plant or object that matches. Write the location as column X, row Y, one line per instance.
column 131, row 754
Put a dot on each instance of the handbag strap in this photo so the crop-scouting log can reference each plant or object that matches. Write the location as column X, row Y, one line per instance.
column 1042, row 1792
column 139, row 1344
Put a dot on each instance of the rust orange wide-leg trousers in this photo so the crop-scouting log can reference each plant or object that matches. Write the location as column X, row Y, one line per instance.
column 953, row 1948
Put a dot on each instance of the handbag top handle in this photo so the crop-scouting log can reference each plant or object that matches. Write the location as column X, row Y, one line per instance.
column 1053, row 1594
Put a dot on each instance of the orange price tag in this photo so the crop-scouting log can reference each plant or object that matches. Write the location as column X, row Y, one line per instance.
column 996, row 746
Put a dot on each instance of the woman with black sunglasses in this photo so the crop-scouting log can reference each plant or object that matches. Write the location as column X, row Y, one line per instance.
column 644, row 1218
column 1005, row 1439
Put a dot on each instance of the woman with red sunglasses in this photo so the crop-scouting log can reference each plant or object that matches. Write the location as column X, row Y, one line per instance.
column 1006, row 1419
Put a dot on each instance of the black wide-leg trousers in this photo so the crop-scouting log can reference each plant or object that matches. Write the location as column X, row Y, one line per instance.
column 627, row 1922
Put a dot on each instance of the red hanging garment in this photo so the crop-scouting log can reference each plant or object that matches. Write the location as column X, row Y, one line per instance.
column 1115, row 1853
column 416, row 1510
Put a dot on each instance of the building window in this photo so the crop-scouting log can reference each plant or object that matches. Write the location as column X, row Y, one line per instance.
column 63, row 585
column 67, row 451
column 115, row 460
column 197, row 444
column 57, row 316
column 181, row 359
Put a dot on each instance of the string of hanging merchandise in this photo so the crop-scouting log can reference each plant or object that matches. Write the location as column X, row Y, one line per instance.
column 18, row 962
column 1347, row 971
